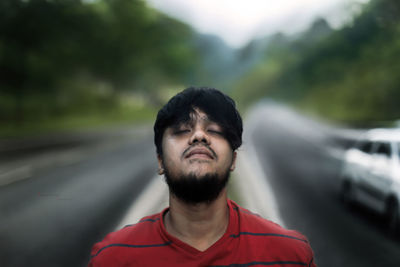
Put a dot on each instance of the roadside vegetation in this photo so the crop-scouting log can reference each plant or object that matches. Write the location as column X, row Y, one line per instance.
column 68, row 64
column 348, row 75
column 83, row 61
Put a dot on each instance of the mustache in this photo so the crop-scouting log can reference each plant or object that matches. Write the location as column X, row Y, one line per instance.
column 187, row 150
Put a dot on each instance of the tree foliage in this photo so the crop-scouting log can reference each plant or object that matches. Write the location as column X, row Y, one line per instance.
column 54, row 54
column 350, row 74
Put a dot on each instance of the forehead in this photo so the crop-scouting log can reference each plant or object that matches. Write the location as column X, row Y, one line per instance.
column 199, row 115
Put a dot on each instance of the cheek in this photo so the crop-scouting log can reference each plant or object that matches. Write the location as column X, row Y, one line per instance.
column 171, row 153
column 171, row 147
column 226, row 154
column 229, row 159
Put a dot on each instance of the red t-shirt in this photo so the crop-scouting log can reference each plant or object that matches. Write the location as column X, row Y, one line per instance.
column 249, row 241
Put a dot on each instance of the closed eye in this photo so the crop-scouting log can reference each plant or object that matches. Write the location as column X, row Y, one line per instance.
column 182, row 131
column 215, row 132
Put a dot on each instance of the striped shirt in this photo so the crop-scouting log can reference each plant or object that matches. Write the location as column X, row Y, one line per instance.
column 248, row 241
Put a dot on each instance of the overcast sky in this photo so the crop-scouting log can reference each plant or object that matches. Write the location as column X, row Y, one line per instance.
column 238, row 21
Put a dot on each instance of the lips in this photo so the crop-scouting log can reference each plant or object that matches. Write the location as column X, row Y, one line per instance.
column 200, row 152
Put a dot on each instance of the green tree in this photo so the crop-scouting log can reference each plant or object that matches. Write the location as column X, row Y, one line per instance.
column 348, row 74
column 56, row 55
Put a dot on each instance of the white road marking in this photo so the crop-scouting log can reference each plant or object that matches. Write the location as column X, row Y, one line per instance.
column 252, row 184
column 16, row 174
column 153, row 199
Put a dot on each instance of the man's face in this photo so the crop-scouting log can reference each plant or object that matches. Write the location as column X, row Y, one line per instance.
column 196, row 159
column 197, row 148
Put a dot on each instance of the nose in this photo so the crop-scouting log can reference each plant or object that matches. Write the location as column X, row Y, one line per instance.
column 199, row 136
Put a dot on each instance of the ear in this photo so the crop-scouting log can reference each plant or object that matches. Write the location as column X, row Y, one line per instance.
column 233, row 165
column 161, row 170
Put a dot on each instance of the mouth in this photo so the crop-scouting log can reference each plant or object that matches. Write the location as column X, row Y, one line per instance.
column 202, row 153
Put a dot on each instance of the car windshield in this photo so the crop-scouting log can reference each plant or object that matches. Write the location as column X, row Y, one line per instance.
column 364, row 146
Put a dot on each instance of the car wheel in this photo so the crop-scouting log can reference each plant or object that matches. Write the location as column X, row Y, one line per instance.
column 393, row 218
column 347, row 193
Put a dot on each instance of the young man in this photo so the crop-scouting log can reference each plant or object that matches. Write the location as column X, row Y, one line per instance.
column 197, row 134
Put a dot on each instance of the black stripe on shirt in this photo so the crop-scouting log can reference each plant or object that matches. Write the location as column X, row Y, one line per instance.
column 145, row 220
column 131, row 246
column 149, row 220
column 312, row 259
column 268, row 234
column 265, row 263
column 246, row 211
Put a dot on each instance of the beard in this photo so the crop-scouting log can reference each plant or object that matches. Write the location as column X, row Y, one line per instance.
column 192, row 189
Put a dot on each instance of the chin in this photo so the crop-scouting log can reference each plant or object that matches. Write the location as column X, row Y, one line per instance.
column 194, row 187
column 200, row 173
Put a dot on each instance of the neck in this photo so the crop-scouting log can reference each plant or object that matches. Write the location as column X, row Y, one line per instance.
column 199, row 225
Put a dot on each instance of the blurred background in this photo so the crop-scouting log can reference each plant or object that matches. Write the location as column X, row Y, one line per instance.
column 81, row 82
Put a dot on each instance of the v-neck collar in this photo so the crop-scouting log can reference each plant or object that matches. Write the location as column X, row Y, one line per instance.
column 232, row 229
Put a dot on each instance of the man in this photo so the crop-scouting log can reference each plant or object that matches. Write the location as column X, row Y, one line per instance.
column 197, row 134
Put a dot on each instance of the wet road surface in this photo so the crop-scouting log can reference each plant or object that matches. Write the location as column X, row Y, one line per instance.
column 54, row 217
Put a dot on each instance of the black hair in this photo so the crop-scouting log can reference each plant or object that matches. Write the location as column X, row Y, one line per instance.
column 219, row 108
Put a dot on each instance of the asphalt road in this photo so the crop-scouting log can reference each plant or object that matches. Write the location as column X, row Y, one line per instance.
column 303, row 172
column 52, row 218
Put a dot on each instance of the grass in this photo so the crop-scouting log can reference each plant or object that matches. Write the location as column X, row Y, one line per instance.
column 78, row 121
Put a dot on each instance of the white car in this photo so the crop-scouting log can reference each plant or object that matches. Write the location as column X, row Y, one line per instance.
column 371, row 174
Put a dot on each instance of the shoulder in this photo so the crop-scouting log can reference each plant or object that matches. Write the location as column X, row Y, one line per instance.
column 268, row 234
column 142, row 230
column 254, row 222
column 143, row 234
